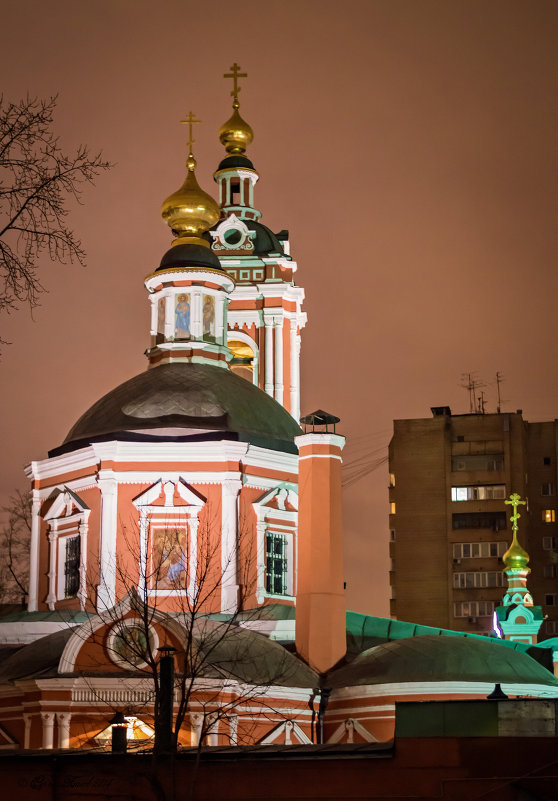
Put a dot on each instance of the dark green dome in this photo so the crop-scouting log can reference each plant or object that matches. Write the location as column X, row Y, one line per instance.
column 235, row 162
column 189, row 256
column 436, row 659
column 183, row 400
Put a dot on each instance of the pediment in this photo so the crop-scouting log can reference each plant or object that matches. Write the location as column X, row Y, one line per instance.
column 170, row 494
column 64, row 503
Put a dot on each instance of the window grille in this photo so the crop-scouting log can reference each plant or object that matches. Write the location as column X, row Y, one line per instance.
column 276, row 563
column 71, row 567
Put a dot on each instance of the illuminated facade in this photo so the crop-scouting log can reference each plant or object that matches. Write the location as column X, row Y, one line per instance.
column 450, row 476
column 188, row 501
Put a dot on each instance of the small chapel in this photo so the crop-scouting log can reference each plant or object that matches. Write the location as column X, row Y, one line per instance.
column 191, row 515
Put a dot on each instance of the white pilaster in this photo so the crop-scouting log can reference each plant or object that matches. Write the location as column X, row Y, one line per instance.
column 196, row 321
column 83, row 530
column 268, row 385
column 48, row 729
column 106, row 589
column 63, row 720
column 229, row 546
column 196, row 724
column 27, row 718
column 233, row 729
column 169, row 316
column 34, row 546
column 278, row 325
column 142, row 584
column 220, row 327
column 295, row 370
column 53, row 547
column 193, row 567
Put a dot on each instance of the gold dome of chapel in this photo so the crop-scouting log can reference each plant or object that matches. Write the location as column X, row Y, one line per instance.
column 235, row 134
column 190, row 211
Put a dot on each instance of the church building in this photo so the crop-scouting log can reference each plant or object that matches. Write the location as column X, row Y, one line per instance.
column 187, row 515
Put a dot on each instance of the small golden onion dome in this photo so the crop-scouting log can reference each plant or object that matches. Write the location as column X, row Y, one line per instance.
column 515, row 557
column 235, row 134
column 190, row 211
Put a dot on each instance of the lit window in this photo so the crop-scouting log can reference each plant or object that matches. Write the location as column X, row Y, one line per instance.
column 549, row 515
column 479, row 493
column 392, row 508
column 547, row 488
column 392, row 479
column 276, row 563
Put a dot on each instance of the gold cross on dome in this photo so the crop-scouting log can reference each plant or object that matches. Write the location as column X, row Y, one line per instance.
column 515, row 501
column 190, row 121
column 235, row 74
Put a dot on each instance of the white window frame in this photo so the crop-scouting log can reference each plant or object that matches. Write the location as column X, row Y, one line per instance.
column 68, row 516
column 284, row 521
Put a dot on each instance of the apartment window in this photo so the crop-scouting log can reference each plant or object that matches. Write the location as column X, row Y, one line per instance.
column 473, row 608
column 460, row 438
column 547, row 488
column 477, row 461
column 487, row 492
column 392, row 479
column 479, row 550
column 276, row 563
column 392, row 534
column 549, row 515
column 550, row 571
column 551, row 599
column 392, row 508
column 491, row 520
column 546, row 460
column 71, row 567
column 550, row 543
column 551, row 627
column 478, row 579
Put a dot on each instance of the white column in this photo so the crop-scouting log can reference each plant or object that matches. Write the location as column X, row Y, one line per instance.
column 142, row 583
column 220, row 327
column 196, row 320
column 233, row 726
column 83, row 530
column 229, row 546
column 48, row 729
column 193, row 566
column 196, row 723
column 106, row 589
column 169, row 316
column 63, row 720
column 34, row 547
column 260, row 532
column 53, row 548
column 295, row 370
column 154, row 314
column 279, row 359
column 213, row 729
column 27, row 732
column 268, row 354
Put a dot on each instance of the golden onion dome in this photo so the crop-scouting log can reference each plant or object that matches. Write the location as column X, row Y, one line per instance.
column 190, row 211
column 235, row 134
column 515, row 557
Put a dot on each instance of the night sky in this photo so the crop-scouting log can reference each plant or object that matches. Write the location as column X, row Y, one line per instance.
column 410, row 148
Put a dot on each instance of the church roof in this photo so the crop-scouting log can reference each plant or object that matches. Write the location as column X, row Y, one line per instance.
column 188, row 399
column 434, row 659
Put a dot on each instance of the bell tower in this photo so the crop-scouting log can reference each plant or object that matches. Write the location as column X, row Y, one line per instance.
column 265, row 317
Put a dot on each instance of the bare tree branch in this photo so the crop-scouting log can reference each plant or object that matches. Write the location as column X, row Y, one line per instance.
column 37, row 178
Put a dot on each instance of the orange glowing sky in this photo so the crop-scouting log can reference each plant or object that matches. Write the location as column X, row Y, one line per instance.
column 408, row 145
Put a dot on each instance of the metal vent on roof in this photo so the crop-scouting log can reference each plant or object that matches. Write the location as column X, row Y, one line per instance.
column 319, row 419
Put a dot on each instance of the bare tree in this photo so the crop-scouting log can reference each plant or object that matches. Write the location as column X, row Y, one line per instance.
column 37, row 178
column 14, row 548
column 220, row 664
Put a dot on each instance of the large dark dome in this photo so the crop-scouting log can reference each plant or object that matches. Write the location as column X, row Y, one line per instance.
column 182, row 400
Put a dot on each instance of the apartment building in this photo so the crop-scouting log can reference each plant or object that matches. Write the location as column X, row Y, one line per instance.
column 449, row 525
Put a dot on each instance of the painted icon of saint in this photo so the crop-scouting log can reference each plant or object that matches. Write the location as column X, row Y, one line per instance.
column 182, row 317
column 209, row 314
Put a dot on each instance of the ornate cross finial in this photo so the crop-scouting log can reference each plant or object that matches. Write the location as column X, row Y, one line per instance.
column 190, row 121
column 515, row 501
column 235, row 74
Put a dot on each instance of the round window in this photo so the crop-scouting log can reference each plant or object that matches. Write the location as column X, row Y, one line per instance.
column 128, row 644
column 232, row 236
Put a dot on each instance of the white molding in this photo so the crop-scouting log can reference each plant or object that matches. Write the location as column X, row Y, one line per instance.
column 402, row 689
column 316, row 438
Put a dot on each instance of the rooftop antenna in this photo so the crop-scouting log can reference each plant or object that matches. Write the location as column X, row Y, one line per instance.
column 471, row 383
column 499, row 380
column 481, row 403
